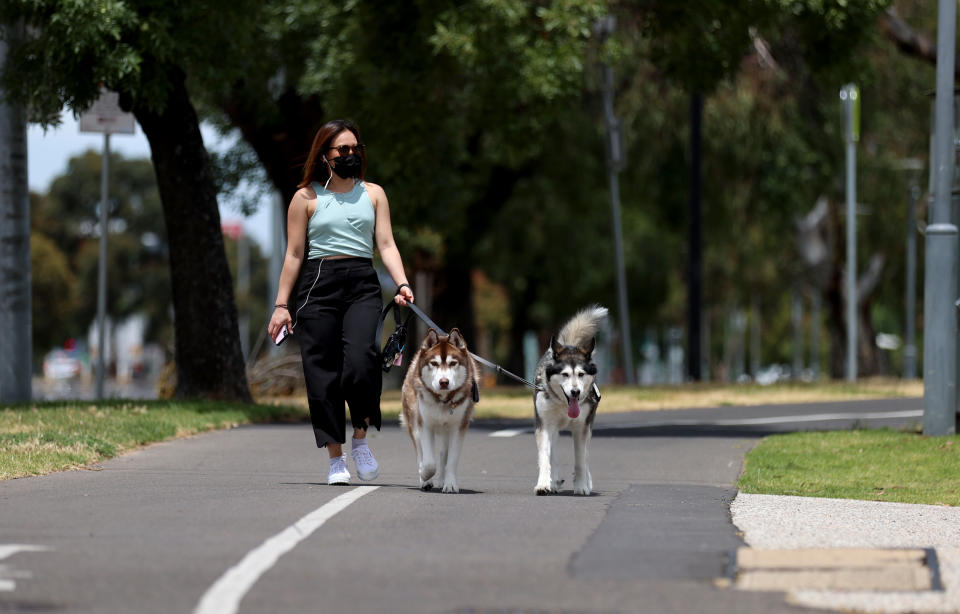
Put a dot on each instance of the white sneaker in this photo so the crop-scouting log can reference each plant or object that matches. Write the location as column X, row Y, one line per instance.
column 338, row 471
column 367, row 467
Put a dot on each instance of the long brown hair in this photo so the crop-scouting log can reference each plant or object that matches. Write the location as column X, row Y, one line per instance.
column 325, row 136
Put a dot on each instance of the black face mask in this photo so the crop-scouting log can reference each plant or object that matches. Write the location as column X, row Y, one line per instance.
column 347, row 166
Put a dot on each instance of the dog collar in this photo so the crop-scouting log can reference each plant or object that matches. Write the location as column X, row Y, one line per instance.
column 453, row 403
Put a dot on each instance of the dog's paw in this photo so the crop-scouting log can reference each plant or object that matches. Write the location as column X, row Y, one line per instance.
column 544, row 490
column 427, row 472
column 426, row 486
column 451, row 487
column 581, row 487
column 581, row 491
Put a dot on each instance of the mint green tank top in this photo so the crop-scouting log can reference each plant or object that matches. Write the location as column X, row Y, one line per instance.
column 343, row 223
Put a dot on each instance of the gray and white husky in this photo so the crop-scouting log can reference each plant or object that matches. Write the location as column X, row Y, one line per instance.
column 567, row 398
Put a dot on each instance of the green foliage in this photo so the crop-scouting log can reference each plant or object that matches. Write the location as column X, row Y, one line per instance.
column 66, row 220
column 54, row 288
column 132, row 47
column 483, row 124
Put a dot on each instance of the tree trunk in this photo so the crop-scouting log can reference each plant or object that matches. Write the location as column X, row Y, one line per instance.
column 207, row 343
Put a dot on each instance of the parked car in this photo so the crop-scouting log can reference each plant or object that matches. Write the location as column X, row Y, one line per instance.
column 61, row 364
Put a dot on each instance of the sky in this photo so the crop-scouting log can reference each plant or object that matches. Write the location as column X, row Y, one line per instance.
column 48, row 153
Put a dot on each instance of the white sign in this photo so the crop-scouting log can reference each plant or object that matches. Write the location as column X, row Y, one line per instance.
column 106, row 116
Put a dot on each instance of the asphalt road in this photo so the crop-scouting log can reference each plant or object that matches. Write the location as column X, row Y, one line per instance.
column 244, row 517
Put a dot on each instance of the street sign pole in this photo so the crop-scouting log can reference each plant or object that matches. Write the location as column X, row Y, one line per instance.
column 104, row 116
column 102, row 266
column 850, row 96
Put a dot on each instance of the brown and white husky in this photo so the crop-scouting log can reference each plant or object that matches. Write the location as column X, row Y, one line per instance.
column 438, row 397
column 567, row 398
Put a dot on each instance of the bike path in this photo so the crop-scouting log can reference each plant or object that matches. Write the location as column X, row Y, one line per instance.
column 152, row 531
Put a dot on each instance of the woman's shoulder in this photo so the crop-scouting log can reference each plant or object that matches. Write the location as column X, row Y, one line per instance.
column 305, row 193
column 374, row 190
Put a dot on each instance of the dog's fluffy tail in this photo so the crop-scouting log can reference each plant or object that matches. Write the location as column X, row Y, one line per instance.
column 583, row 326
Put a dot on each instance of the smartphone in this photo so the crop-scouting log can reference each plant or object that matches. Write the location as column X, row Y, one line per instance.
column 282, row 335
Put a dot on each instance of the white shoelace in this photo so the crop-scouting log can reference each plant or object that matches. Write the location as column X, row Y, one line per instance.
column 363, row 455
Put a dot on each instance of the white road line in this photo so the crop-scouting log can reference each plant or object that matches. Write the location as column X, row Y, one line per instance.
column 7, row 574
column 509, row 432
column 225, row 594
column 7, row 550
column 909, row 413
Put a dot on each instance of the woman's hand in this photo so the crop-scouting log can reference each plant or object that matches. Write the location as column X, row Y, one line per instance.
column 279, row 319
column 403, row 296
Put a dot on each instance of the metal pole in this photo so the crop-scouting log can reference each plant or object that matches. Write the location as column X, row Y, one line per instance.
column 604, row 28
column 796, row 316
column 849, row 95
column 940, row 285
column 243, row 292
column 16, row 339
column 910, row 347
column 628, row 375
column 695, row 242
column 102, row 268
column 815, row 335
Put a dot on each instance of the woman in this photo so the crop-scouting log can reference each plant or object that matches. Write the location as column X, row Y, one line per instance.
column 337, row 217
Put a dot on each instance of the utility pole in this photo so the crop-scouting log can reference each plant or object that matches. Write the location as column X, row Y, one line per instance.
column 604, row 27
column 910, row 346
column 16, row 339
column 850, row 96
column 940, row 285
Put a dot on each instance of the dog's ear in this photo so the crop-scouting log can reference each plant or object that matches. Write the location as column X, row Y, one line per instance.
column 456, row 338
column 590, row 346
column 430, row 340
column 555, row 347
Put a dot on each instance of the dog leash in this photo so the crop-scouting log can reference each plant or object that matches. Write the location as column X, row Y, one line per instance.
column 395, row 342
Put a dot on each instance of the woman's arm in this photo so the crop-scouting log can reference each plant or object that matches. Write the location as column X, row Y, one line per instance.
column 383, row 234
column 296, row 237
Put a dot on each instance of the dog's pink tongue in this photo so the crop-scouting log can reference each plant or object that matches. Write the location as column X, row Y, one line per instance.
column 573, row 409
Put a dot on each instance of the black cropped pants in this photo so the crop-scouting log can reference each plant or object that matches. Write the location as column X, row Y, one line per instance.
column 339, row 308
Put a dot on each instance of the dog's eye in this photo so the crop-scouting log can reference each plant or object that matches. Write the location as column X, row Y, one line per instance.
column 580, row 373
column 435, row 363
column 453, row 363
column 566, row 375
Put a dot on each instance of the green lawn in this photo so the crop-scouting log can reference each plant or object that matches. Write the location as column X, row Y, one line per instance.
column 39, row 438
column 874, row 465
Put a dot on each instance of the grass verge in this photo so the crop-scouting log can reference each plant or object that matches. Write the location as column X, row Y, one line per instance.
column 36, row 439
column 873, row 465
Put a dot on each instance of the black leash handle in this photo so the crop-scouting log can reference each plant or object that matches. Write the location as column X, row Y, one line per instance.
column 479, row 359
column 398, row 340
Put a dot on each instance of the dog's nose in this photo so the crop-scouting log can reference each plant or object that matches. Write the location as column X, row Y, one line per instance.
column 575, row 393
column 444, row 383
